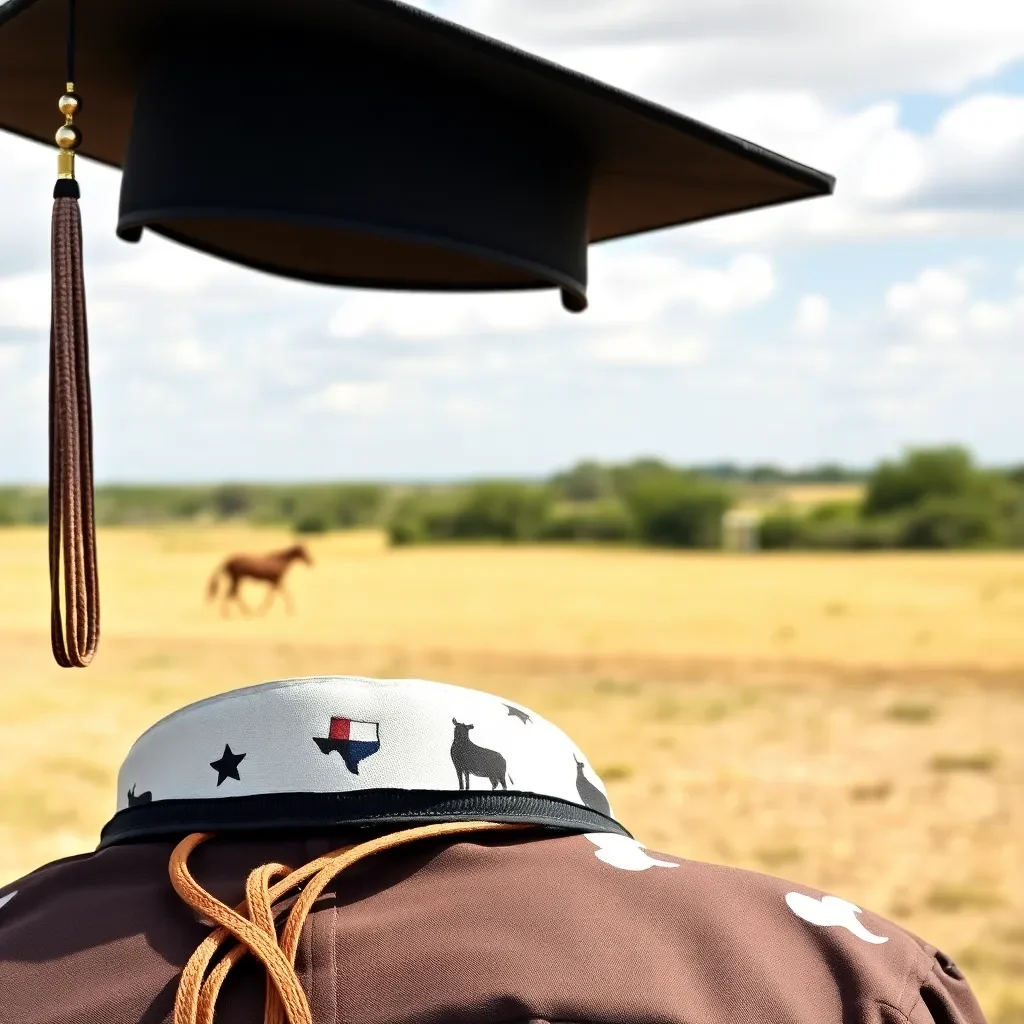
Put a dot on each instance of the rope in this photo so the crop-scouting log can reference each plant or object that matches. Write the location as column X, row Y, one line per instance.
column 285, row 1001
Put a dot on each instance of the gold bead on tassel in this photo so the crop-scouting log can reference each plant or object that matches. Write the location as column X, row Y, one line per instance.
column 68, row 137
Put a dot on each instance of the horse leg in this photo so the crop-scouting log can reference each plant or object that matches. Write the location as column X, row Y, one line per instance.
column 288, row 605
column 235, row 594
column 269, row 599
column 246, row 610
column 230, row 594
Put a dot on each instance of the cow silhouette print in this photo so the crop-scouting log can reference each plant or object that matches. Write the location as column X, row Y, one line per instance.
column 134, row 800
column 589, row 793
column 470, row 759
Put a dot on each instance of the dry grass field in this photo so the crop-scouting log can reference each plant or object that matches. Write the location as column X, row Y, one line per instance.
column 800, row 497
column 818, row 494
column 850, row 722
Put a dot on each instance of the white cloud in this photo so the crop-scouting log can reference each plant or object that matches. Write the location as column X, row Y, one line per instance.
column 469, row 410
column 422, row 365
column 975, row 155
column 679, row 52
column 427, row 316
column 190, row 356
column 813, row 315
column 984, row 125
column 934, row 288
column 361, row 398
column 811, row 79
column 160, row 268
column 891, row 181
column 25, row 301
column 627, row 288
column 648, row 349
column 939, row 318
column 904, row 355
column 989, row 317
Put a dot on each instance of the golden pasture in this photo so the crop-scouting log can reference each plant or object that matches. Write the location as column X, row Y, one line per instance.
column 852, row 722
column 807, row 495
column 766, row 497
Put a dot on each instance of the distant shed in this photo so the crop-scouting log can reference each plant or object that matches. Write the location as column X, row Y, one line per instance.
column 741, row 530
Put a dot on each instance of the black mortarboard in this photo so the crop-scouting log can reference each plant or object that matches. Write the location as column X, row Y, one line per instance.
column 350, row 142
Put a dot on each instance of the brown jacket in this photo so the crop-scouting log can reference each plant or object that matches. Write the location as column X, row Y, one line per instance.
column 490, row 929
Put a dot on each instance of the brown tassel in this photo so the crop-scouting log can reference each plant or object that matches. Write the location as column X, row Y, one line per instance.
column 72, row 520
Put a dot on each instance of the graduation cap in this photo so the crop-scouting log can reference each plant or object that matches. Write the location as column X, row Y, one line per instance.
column 345, row 142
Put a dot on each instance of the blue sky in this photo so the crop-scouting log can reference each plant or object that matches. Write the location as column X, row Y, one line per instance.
column 843, row 329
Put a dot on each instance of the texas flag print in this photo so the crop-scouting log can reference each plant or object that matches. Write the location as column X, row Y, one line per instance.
column 355, row 741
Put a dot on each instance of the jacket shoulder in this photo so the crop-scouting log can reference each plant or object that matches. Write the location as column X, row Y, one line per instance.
column 816, row 952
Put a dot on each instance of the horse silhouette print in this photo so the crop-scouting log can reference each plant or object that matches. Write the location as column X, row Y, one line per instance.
column 266, row 568
column 470, row 759
column 589, row 793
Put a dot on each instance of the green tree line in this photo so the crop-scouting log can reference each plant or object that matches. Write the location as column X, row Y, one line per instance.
column 304, row 507
column 929, row 498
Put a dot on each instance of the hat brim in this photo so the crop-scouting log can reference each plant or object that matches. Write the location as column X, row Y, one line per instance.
column 653, row 168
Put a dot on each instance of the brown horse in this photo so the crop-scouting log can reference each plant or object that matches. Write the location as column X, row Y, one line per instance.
column 269, row 568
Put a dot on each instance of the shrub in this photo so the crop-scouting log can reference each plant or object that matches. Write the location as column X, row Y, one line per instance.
column 600, row 522
column 502, row 511
column 586, row 481
column 340, row 507
column 9, row 510
column 923, row 473
column 423, row 516
column 782, row 531
column 406, row 530
column 355, row 504
column 486, row 511
column 231, row 500
column 1013, row 509
column 313, row 523
column 674, row 509
column 834, row 528
column 953, row 522
column 834, row 512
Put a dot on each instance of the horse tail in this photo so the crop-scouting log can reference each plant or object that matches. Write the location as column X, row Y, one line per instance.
column 213, row 585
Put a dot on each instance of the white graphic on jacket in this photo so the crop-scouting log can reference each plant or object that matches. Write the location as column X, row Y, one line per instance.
column 625, row 853
column 831, row 912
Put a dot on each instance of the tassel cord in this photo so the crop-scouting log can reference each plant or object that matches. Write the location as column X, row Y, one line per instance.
column 72, row 518
column 72, row 525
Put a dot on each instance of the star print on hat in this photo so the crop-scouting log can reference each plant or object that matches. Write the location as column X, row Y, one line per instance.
column 338, row 750
column 226, row 766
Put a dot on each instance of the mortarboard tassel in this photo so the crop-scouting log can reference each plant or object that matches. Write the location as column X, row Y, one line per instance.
column 72, row 526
